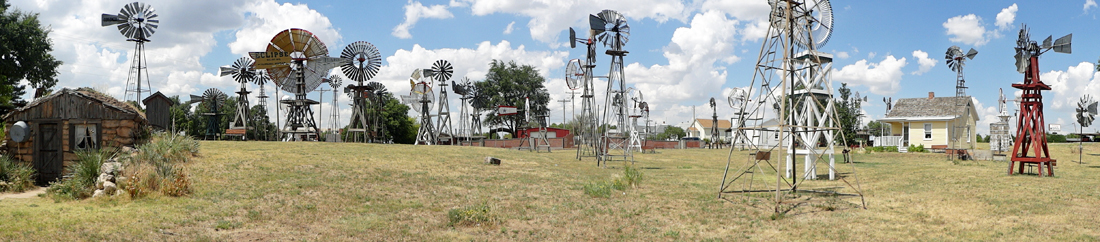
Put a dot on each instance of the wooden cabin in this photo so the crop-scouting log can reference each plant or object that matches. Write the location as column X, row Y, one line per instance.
column 69, row 120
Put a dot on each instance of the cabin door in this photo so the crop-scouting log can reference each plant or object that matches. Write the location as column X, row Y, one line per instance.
column 905, row 134
column 48, row 158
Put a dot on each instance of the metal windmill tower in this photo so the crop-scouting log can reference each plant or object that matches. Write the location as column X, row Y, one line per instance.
column 362, row 61
column 377, row 95
column 213, row 99
column 611, row 29
column 137, row 21
column 736, row 99
column 714, row 137
column 1031, row 144
column 420, row 98
column 463, row 89
column 299, row 74
column 588, row 122
column 956, row 60
column 441, row 72
column 794, row 83
column 243, row 73
column 335, row 82
column 636, row 136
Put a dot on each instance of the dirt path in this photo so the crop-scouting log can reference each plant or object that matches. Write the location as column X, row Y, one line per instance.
column 27, row 194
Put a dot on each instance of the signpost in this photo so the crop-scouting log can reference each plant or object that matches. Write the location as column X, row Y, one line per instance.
column 265, row 60
column 506, row 110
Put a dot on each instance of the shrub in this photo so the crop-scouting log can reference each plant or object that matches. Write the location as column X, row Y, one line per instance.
column 158, row 166
column 598, row 189
column 471, row 215
column 80, row 181
column 632, row 175
column 884, row 149
column 916, row 148
column 15, row 177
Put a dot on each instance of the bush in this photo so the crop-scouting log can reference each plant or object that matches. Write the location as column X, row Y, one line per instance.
column 80, row 181
column 915, row 148
column 15, row 177
column 471, row 215
column 884, row 149
column 158, row 166
column 1056, row 138
column 632, row 175
column 598, row 189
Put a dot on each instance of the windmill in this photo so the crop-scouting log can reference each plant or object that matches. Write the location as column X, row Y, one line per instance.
column 999, row 139
column 1031, row 144
column 441, row 72
column 463, row 90
column 361, row 63
column 213, row 100
column 587, row 128
column 636, row 137
column 956, row 60
column 335, row 82
column 736, row 99
column 137, row 21
column 793, row 81
column 714, row 137
column 261, row 79
column 479, row 102
column 420, row 98
column 377, row 95
column 1086, row 113
column 611, row 29
column 536, row 140
column 297, row 61
column 243, row 73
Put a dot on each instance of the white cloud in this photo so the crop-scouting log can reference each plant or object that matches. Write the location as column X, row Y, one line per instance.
column 926, row 63
column 1007, row 16
column 1069, row 85
column 1089, row 4
column 268, row 18
column 842, row 55
column 511, row 26
column 551, row 17
column 871, row 55
column 966, row 29
column 414, row 11
column 883, row 78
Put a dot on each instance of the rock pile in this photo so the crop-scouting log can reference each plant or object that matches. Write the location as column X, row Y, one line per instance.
column 106, row 183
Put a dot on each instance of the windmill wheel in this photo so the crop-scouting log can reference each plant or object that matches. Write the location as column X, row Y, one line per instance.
column 213, row 99
column 616, row 32
column 363, row 61
column 442, row 71
column 135, row 20
column 335, row 81
column 241, row 70
column 573, row 74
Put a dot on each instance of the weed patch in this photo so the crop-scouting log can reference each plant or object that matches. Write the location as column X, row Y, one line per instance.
column 471, row 215
column 15, row 177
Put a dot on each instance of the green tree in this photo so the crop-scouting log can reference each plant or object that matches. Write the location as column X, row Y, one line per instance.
column 24, row 55
column 877, row 128
column 508, row 84
column 400, row 128
column 847, row 114
column 670, row 132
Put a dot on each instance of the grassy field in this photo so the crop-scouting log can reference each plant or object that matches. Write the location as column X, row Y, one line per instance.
column 324, row 191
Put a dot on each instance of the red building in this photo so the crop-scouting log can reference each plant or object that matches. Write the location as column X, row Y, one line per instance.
column 550, row 132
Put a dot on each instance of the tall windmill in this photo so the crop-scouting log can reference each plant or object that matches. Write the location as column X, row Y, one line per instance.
column 999, row 138
column 441, row 72
column 714, row 137
column 243, row 73
column 261, row 79
column 362, row 61
column 420, row 98
column 377, row 95
column 588, row 145
column 335, row 82
column 137, row 21
column 1031, row 144
column 793, row 78
column 956, row 60
column 463, row 90
column 611, row 29
column 302, row 61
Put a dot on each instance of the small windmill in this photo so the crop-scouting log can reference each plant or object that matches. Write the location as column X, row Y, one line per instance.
column 1086, row 113
column 636, row 137
column 463, row 90
column 213, row 100
column 335, row 82
column 714, row 124
column 377, row 95
column 956, row 60
column 243, row 73
column 420, row 98
column 737, row 100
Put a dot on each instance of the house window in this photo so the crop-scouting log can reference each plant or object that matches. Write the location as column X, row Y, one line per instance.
column 86, row 136
column 927, row 131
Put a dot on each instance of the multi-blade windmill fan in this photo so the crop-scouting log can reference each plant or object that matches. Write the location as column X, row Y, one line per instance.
column 243, row 73
column 610, row 28
column 308, row 64
column 574, row 74
column 1031, row 145
column 213, row 100
column 137, row 21
column 812, row 21
column 441, row 72
column 1086, row 111
column 361, row 63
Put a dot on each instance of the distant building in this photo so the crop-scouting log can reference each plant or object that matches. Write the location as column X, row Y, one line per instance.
column 701, row 128
column 929, row 122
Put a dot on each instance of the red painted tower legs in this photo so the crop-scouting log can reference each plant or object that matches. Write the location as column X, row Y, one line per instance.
column 1031, row 138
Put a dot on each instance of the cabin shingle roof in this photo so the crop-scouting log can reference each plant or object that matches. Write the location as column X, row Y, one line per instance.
column 924, row 107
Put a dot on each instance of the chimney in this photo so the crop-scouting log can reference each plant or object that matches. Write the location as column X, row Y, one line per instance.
column 931, row 95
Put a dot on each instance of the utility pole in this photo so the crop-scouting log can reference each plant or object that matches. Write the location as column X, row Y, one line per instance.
column 563, row 101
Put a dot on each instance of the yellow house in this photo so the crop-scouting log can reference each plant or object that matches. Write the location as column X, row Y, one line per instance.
column 929, row 121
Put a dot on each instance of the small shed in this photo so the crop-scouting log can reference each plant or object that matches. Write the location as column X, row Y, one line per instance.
column 158, row 109
column 69, row 120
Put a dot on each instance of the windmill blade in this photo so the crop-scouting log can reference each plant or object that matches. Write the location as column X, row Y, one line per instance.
column 1047, row 42
column 970, row 54
column 572, row 38
column 1063, row 45
column 597, row 24
column 1022, row 57
column 1092, row 108
column 226, row 70
column 194, row 99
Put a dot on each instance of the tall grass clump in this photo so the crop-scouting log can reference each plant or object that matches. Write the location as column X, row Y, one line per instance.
column 158, row 166
column 631, row 178
column 79, row 181
column 471, row 215
column 15, row 177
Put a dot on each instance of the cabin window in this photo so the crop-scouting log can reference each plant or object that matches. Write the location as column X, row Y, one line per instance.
column 85, row 136
column 927, row 131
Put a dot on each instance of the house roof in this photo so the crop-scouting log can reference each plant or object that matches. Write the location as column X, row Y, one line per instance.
column 158, row 96
column 924, row 108
column 86, row 93
column 707, row 123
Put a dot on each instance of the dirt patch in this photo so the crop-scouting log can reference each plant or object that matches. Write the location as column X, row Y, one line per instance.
column 27, row 194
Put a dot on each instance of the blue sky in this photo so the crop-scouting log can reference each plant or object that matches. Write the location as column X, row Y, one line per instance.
column 681, row 52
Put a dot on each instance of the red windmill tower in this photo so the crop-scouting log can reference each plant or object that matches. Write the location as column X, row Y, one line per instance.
column 1031, row 143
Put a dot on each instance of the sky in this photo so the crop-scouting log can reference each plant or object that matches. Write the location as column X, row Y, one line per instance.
column 682, row 53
